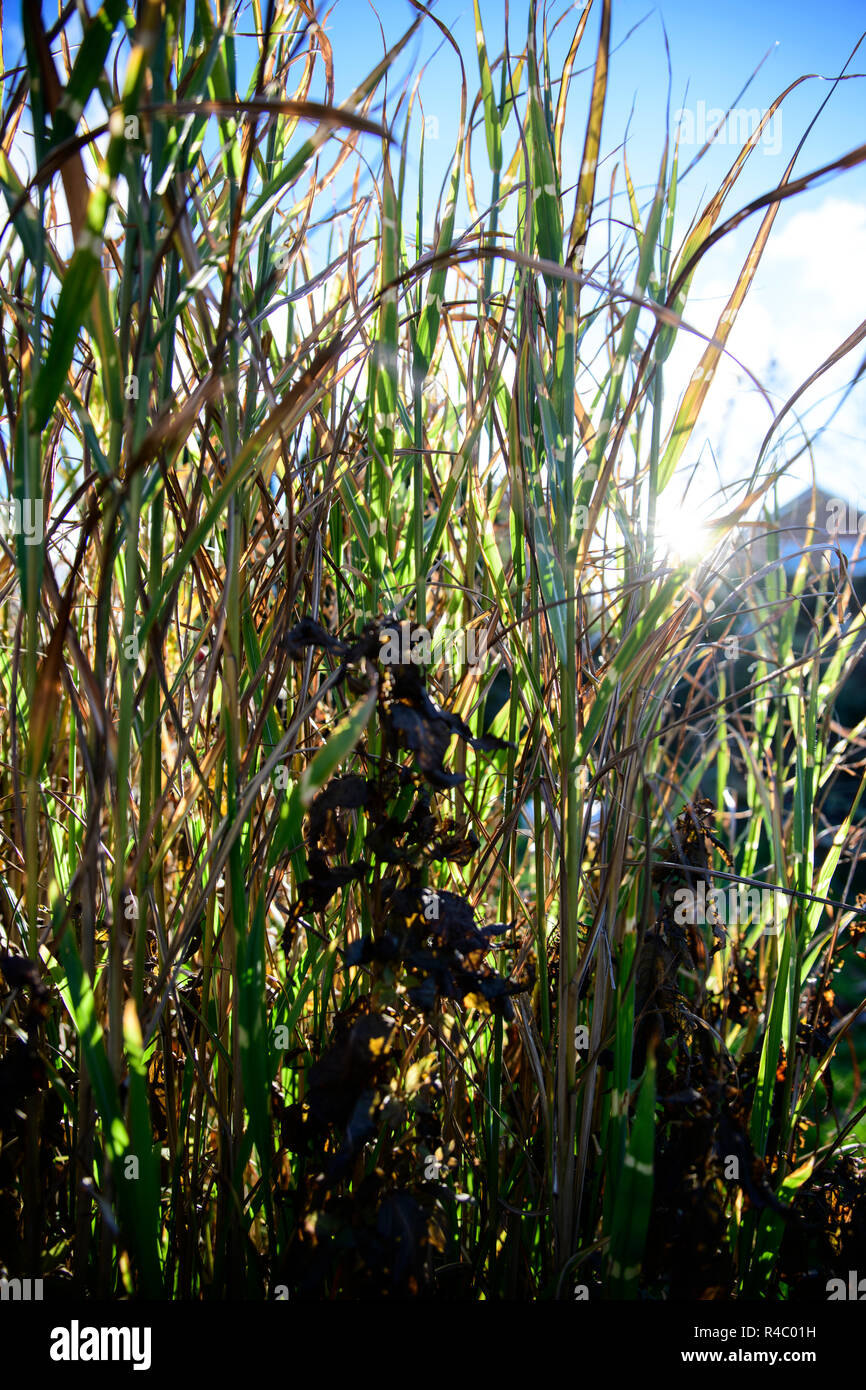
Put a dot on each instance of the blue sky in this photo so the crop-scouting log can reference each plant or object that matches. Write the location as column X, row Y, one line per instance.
column 713, row 51
column 809, row 292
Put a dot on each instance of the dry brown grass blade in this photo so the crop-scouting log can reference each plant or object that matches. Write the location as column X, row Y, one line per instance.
column 71, row 164
column 47, row 691
column 316, row 111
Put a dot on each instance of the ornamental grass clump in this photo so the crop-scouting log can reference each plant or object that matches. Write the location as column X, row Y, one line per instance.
column 334, row 966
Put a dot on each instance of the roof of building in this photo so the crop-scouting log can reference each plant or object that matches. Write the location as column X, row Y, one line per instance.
column 813, row 519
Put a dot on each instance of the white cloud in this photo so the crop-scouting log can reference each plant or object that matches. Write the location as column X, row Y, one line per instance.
column 807, row 297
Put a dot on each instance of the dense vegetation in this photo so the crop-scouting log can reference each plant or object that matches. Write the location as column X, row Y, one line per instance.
column 329, row 971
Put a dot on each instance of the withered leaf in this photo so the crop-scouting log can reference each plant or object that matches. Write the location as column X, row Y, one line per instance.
column 309, row 633
column 21, row 972
column 326, row 880
column 342, row 793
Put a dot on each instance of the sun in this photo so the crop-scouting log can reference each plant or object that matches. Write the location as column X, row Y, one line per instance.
column 682, row 530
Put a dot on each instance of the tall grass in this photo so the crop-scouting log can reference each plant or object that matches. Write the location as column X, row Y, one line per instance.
column 261, row 410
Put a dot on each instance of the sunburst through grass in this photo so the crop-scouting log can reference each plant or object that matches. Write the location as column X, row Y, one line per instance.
column 345, row 973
